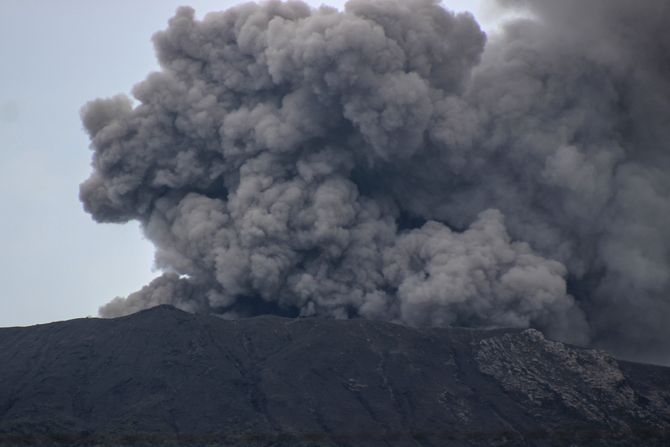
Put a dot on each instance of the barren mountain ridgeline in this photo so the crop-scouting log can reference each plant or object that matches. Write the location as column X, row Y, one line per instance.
column 166, row 377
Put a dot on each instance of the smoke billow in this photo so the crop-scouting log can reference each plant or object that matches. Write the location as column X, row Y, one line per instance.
column 388, row 162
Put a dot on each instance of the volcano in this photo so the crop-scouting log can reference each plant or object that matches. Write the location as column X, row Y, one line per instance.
column 166, row 377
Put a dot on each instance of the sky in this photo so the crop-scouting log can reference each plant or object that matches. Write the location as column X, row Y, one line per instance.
column 56, row 262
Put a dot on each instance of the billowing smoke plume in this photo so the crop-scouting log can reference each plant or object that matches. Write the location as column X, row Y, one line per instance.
column 388, row 162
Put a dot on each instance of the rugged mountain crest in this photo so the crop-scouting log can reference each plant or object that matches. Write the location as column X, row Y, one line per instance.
column 166, row 377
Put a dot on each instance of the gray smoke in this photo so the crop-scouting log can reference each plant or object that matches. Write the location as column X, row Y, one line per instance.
column 388, row 162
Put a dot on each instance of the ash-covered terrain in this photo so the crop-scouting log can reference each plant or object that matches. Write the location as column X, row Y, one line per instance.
column 167, row 377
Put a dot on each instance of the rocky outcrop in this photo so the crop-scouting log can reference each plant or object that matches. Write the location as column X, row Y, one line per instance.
column 553, row 379
column 165, row 377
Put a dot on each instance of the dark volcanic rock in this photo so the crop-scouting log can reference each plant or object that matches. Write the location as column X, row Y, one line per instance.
column 165, row 377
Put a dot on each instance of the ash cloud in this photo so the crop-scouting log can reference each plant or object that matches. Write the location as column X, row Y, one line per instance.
column 389, row 162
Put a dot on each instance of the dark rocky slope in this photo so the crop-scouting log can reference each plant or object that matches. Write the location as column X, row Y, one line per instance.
column 166, row 377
